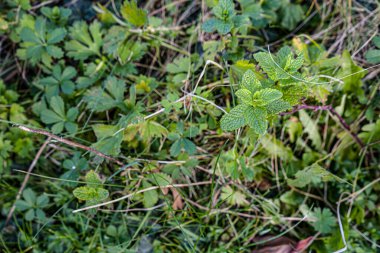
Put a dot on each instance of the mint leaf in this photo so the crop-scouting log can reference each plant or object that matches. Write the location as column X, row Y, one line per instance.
column 245, row 96
column 250, row 82
column 234, row 119
column 256, row 119
column 266, row 96
column 277, row 107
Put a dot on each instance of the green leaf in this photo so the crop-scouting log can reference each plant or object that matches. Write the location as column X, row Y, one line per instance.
column 234, row 119
column 312, row 174
column 42, row 201
column 160, row 179
column 107, row 141
column 189, row 146
column 175, row 148
column 224, row 21
column 266, row 96
column 233, row 197
column 58, row 106
column 179, row 65
column 351, row 74
column 28, row 35
column 291, row 15
column 29, row 196
column 29, row 215
column 150, row 197
column 90, row 193
column 50, row 117
column 92, row 179
column 311, row 127
column 250, row 82
column 210, row 25
column 325, row 220
column 99, row 100
column 86, row 40
column 294, row 93
column 224, row 10
column 280, row 66
column 255, row 117
column 276, row 148
column 57, row 35
column 134, row 15
column 22, row 205
column 373, row 56
column 277, row 107
column 245, row 96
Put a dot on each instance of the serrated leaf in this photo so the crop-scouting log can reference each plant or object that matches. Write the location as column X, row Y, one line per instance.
column 57, row 35
column 245, row 96
column 255, row 117
column 294, row 93
column 311, row 127
column 90, row 193
column 324, row 220
column 312, row 174
column 92, row 179
column 224, row 10
column 266, row 96
column 234, row 119
column 99, row 100
column 250, row 82
column 86, row 40
column 233, row 197
column 134, row 15
column 278, row 106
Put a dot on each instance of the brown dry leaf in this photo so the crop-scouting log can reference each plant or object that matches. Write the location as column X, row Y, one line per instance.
column 165, row 191
column 282, row 245
column 178, row 202
column 303, row 244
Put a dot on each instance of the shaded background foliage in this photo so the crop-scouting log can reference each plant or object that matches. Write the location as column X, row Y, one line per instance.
column 147, row 84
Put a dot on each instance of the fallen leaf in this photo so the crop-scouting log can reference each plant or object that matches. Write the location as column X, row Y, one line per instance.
column 178, row 202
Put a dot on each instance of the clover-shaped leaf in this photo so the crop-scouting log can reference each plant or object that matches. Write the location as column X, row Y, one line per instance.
column 59, row 81
column 32, row 205
column 182, row 141
column 57, row 116
column 39, row 43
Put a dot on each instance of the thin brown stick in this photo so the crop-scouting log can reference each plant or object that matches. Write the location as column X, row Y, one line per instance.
column 141, row 191
column 26, row 178
column 70, row 143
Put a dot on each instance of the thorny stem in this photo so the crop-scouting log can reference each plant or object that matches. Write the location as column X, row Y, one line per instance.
column 330, row 109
